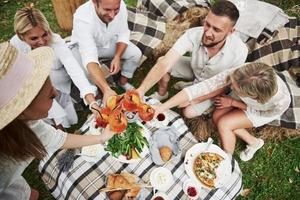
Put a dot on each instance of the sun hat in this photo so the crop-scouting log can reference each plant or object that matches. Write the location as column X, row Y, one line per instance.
column 21, row 78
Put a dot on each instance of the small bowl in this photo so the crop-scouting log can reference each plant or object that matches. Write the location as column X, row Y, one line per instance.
column 160, row 194
column 161, row 179
column 193, row 187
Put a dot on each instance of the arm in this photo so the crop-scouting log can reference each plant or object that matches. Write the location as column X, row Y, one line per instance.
column 75, row 141
column 99, row 79
column 224, row 101
column 162, row 67
column 115, row 65
column 74, row 70
column 202, row 90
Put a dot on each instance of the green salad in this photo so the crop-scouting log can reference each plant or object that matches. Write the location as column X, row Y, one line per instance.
column 129, row 143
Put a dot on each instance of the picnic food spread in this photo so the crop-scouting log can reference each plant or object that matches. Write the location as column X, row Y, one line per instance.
column 205, row 166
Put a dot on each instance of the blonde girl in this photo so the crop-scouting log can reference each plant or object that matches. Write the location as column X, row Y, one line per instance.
column 259, row 97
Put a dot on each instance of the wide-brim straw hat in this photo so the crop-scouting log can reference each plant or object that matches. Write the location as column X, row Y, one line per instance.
column 21, row 78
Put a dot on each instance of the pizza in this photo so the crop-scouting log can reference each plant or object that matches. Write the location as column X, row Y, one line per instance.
column 205, row 166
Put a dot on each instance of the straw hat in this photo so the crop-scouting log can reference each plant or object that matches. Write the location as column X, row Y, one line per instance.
column 21, row 78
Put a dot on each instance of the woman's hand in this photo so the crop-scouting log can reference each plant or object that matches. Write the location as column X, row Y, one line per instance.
column 223, row 101
column 158, row 109
column 107, row 134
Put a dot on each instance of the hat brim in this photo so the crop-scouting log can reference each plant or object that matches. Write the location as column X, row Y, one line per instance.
column 43, row 60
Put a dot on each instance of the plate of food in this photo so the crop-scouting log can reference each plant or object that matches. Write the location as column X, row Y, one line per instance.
column 210, row 167
column 124, row 186
column 131, row 145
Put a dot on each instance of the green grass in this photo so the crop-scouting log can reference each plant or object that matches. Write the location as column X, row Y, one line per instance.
column 272, row 175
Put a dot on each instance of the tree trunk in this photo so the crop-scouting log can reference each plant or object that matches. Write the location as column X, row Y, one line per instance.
column 64, row 10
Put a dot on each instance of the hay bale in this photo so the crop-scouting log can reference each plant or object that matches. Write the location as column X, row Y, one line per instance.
column 175, row 28
column 202, row 128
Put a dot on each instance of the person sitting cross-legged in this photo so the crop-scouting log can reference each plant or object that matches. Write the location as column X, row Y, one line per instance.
column 259, row 97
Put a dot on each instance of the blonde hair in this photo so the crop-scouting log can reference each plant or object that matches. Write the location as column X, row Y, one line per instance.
column 27, row 18
column 255, row 80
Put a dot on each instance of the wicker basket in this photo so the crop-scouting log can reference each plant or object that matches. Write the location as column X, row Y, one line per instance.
column 64, row 10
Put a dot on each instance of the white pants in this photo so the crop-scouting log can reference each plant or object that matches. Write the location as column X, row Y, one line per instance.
column 182, row 69
column 130, row 58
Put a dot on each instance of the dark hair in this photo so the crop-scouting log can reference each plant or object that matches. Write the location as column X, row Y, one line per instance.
column 225, row 8
column 18, row 142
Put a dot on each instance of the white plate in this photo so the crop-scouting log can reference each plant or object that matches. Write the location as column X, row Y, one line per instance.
column 223, row 171
column 98, row 151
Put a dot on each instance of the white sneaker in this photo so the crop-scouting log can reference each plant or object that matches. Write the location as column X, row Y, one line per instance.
column 157, row 96
column 249, row 152
column 127, row 86
column 182, row 84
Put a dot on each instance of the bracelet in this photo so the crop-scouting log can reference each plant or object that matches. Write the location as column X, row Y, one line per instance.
column 91, row 104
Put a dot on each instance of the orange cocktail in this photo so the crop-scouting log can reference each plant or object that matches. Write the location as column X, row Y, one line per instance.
column 117, row 121
column 102, row 117
column 113, row 101
column 146, row 112
column 131, row 101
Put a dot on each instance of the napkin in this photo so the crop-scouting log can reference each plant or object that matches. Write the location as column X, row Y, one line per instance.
column 164, row 137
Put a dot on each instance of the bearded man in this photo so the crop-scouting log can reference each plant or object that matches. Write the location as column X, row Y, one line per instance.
column 213, row 48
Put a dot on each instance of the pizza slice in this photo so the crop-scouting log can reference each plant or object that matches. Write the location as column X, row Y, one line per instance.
column 205, row 166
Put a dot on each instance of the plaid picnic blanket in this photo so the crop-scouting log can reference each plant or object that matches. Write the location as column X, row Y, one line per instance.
column 169, row 8
column 147, row 30
column 282, row 52
column 84, row 179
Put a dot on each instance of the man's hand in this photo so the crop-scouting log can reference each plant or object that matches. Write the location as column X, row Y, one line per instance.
column 106, row 94
column 223, row 102
column 115, row 65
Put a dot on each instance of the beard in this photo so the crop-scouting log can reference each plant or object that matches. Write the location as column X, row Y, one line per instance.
column 212, row 44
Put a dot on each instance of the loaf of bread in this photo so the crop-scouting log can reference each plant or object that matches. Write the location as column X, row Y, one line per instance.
column 165, row 153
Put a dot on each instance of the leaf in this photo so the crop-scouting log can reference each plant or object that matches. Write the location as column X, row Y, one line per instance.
column 297, row 169
column 245, row 192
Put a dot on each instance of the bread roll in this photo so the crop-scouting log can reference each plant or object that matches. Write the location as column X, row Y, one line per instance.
column 165, row 153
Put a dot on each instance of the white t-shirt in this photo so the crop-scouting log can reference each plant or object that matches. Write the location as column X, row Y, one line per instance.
column 10, row 172
column 275, row 107
column 91, row 33
column 233, row 53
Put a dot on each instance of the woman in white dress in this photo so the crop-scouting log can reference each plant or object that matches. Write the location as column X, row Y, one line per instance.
column 32, row 31
column 259, row 97
column 26, row 96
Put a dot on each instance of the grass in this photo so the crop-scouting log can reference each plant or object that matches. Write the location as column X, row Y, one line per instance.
column 272, row 175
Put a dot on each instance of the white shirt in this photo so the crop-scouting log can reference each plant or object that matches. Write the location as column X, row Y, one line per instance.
column 51, row 138
column 233, row 53
column 64, row 66
column 91, row 33
column 277, row 105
